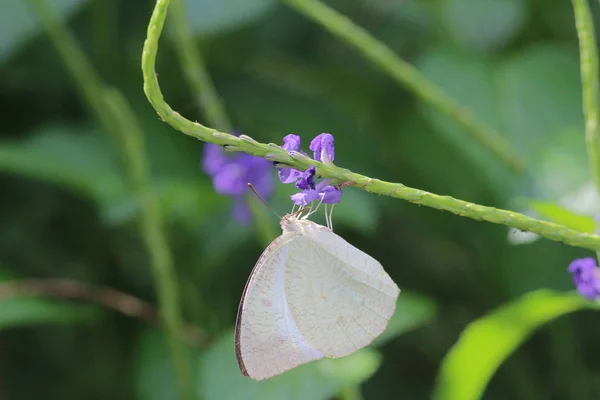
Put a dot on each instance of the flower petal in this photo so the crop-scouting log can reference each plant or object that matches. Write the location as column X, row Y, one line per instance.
column 229, row 180
column 291, row 142
column 330, row 195
column 304, row 197
column 586, row 277
column 288, row 175
column 307, row 181
column 323, row 148
column 213, row 158
column 241, row 211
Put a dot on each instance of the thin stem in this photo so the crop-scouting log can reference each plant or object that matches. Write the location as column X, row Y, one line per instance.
column 207, row 98
column 116, row 115
column 107, row 297
column 406, row 75
column 195, row 70
column 299, row 161
column 152, row 224
column 88, row 82
column 589, row 82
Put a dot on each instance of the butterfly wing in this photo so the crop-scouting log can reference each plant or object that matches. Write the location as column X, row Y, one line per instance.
column 340, row 297
column 267, row 340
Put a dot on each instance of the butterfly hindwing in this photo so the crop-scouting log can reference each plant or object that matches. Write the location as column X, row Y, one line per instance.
column 267, row 341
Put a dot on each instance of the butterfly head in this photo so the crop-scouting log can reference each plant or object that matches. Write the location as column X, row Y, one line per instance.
column 294, row 223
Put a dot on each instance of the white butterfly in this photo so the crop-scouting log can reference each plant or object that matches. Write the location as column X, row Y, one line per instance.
column 311, row 295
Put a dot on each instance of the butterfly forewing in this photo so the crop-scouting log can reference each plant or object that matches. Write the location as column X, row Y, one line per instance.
column 267, row 340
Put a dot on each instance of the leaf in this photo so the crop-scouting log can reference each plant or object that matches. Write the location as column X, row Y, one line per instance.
column 357, row 210
column 19, row 312
column 19, row 24
column 155, row 377
column 484, row 24
column 556, row 213
column 487, row 342
column 541, row 110
column 81, row 160
column 412, row 311
column 209, row 17
column 187, row 201
column 78, row 159
column 469, row 80
column 220, row 377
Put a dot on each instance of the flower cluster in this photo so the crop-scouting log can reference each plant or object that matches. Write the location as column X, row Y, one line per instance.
column 324, row 151
column 586, row 277
column 231, row 174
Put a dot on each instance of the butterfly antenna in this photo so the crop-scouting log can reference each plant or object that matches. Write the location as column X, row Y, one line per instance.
column 331, row 217
column 263, row 200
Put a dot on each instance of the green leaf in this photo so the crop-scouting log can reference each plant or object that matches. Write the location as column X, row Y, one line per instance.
column 209, row 17
column 357, row 210
column 155, row 377
column 19, row 24
column 557, row 213
column 81, row 160
column 484, row 24
column 541, row 110
column 17, row 312
column 75, row 158
column 412, row 311
column 220, row 376
column 487, row 342
column 469, row 80
column 186, row 201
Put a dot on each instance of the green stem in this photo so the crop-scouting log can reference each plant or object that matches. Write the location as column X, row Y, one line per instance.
column 88, row 82
column 406, row 75
column 116, row 115
column 589, row 82
column 299, row 161
column 152, row 224
column 195, row 70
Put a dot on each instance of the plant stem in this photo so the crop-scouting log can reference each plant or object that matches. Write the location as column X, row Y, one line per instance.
column 115, row 113
column 406, row 75
column 156, row 241
column 299, row 161
column 195, row 71
column 88, row 82
column 589, row 82
column 124, row 303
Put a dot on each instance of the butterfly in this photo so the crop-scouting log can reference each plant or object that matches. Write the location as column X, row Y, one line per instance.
column 310, row 295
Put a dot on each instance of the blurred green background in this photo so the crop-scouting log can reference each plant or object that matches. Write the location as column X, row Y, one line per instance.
column 69, row 211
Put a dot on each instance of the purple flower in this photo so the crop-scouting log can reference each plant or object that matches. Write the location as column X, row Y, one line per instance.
column 307, row 179
column 291, row 142
column 586, row 277
column 322, row 145
column 324, row 151
column 231, row 174
column 330, row 195
column 289, row 175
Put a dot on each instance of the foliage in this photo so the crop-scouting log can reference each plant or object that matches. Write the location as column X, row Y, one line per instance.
column 70, row 210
